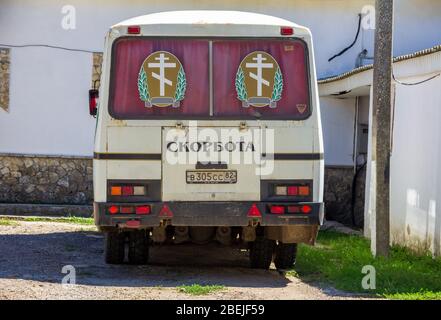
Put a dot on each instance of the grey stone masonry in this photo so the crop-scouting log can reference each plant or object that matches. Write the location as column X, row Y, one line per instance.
column 338, row 195
column 45, row 180
column 97, row 58
column 45, row 210
column 4, row 78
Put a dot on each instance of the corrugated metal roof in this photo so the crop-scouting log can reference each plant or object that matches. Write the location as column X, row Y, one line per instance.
column 370, row 66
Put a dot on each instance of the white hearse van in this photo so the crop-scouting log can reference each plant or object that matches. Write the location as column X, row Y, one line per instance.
column 208, row 129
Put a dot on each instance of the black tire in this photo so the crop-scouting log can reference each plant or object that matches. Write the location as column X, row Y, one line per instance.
column 138, row 247
column 261, row 253
column 286, row 254
column 114, row 247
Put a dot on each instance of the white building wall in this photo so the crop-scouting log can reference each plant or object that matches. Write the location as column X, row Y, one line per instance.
column 416, row 166
column 338, row 130
column 48, row 88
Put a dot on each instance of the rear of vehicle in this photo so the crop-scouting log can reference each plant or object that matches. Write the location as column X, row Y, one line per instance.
column 208, row 130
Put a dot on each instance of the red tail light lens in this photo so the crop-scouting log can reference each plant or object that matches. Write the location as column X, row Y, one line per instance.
column 293, row 191
column 134, row 30
column 127, row 210
column 254, row 211
column 306, row 209
column 141, row 210
column 113, row 210
column 277, row 209
column 127, row 191
column 93, row 102
column 286, row 31
column 293, row 209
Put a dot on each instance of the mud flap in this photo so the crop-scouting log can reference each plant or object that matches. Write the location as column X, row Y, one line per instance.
column 293, row 234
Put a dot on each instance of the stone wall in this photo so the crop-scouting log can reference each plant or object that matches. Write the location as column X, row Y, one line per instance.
column 359, row 198
column 338, row 195
column 45, row 180
column 4, row 78
column 97, row 61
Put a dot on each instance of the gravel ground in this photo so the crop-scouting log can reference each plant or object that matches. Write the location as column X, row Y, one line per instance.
column 32, row 255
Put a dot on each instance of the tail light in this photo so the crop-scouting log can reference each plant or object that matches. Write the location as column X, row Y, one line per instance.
column 254, row 211
column 113, row 209
column 281, row 190
column 115, row 191
column 128, row 190
column 304, row 191
column 139, row 210
column 306, row 209
column 142, row 210
column 293, row 209
column 134, row 30
column 292, row 190
column 286, row 31
column 290, row 209
column 139, row 190
column 277, row 209
column 127, row 210
column 93, row 101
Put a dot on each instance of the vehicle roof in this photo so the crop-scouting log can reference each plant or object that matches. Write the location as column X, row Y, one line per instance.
column 202, row 17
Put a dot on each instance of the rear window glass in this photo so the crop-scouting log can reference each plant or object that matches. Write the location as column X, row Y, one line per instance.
column 127, row 101
column 274, row 80
column 170, row 78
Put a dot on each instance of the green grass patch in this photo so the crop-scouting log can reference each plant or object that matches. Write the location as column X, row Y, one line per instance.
column 8, row 222
column 338, row 259
column 199, row 290
column 74, row 220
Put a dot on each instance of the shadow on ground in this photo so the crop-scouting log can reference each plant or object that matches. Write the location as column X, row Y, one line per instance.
column 41, row 257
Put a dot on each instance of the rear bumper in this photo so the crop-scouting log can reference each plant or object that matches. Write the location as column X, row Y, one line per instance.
column 206, row 214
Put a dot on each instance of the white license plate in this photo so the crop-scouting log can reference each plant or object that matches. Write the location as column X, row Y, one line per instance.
column 212, row 176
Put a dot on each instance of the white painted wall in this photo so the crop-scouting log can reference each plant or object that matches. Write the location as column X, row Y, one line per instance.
column 48, row 92
column 338, row 130
column 415, row 190
column 416, row 166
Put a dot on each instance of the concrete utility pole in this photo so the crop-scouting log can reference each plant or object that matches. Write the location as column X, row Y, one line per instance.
column 381, row 135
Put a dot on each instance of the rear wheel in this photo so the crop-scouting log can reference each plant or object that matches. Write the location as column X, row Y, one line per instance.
column 261, row 253
column 114, row 247
column 138, row 247
column 286, row 254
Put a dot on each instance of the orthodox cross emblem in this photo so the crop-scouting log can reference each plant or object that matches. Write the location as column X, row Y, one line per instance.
column 259, row 80
column 161, row 80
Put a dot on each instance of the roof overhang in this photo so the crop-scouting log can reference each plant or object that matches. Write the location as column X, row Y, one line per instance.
column 358, row 81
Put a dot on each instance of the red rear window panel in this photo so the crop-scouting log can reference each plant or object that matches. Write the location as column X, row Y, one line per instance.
column 127, row 57
column 130, row 52
column 291, row 55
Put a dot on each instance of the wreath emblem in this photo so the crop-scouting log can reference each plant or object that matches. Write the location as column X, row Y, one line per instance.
column 259, row 80
column 161, row 80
